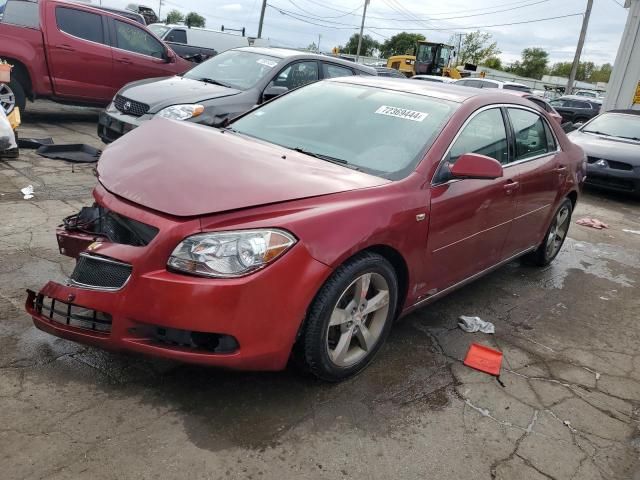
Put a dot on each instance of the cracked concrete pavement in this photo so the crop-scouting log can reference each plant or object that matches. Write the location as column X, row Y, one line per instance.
column 569, row 407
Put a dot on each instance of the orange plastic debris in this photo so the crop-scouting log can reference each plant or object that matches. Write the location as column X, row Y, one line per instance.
column 484, row 359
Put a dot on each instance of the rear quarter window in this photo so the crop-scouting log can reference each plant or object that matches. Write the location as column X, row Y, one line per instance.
column 22, row 13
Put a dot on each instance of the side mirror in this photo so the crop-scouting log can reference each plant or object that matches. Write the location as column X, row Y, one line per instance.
column 169, row 56
column 272, row 91
column 473, row 165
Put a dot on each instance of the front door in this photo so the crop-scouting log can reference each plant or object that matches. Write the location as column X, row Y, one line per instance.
column 78, row 53
column 536, row 158
column 137, row 54
column 470, row 219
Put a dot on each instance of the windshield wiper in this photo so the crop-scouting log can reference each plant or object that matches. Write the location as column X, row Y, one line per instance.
column 327, row 158
column 637, row 139
column 213, row 81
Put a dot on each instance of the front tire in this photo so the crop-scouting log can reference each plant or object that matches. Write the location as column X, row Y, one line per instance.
column 350, row 318
column 12, row 95
column 553, row 240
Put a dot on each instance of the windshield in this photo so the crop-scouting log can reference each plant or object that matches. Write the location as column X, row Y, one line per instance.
column 425, row 53
column 234, row 68
column 159, row 30
column 378, row 131
column 443, row 59
column 615, row 125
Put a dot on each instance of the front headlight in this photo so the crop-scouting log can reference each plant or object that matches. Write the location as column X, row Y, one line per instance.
column 230, row 254
column 181, row 112
column 111, row 108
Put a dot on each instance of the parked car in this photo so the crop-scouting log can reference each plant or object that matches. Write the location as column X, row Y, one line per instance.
column 433, row 78
column 389, row 72
column 314, row 220
column 576, row 109
column 220, row 89
column 147, row 12
column 612, row 144
column 136, row 17
column 204, row 37
column 489, row 83
column 589, row 93
column 74, row 53
column 542, row 103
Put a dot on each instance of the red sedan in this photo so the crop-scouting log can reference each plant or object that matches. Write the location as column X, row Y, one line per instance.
column 309, row 224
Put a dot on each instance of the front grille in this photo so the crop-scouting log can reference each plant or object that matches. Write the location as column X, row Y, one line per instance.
column 612, row 163
column 73, row 315
column 100, row 273
column 130, row 107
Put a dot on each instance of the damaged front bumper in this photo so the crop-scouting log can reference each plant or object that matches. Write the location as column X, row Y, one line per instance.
column 121, row 296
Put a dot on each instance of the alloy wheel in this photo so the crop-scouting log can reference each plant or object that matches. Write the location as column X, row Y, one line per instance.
column 7, row 98
column 558, row 232
column 358, row 320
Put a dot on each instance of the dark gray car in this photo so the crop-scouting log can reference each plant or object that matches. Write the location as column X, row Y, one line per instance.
column 611, row 142
column 221, row 88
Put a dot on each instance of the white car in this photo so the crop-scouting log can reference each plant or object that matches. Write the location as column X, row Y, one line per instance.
column 477, row 82
column 433, row 78
column 588, row 93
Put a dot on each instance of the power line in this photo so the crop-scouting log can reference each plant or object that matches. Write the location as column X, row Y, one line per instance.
column 352, row 12
column 485, row 26
column 618, row 3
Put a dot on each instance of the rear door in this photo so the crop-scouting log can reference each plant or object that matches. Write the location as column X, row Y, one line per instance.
column 78, row 52
column 540, row 176
column 137, row 54
column 470, row 219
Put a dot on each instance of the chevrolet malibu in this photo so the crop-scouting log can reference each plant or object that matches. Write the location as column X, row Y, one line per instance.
column 308, row 225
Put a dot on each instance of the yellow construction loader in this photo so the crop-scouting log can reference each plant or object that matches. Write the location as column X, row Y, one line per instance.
column 430, row 59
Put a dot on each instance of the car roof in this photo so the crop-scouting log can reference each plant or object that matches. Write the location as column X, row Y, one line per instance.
column 289, row 53
column 625, row 111
column 578, row 97
column 446, row 91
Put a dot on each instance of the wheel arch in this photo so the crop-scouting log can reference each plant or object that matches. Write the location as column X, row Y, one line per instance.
column 21, row 72
column 573, row 196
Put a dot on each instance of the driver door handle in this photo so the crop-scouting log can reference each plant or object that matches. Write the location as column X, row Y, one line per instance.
column 511, row 186
column 66, row 47
column 561, row 169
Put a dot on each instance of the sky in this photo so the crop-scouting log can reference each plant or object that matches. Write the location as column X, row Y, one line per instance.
column 337, row 20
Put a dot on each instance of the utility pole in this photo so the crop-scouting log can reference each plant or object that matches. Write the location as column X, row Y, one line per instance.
column 319, row 42
column 459, row 35
column 264, row 7
column 364, row 14
column 576, row 59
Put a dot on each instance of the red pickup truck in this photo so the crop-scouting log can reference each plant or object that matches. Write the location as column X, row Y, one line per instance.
column 73, row 53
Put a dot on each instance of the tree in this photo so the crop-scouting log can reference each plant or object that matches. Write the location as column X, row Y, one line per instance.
column 313, row 47
column 194, row 19
column 369, row 45
column 174, row 16
column 585, row 72
column 601, row 74
column 402, row 43
column 533, row 64
column 493, row 62
column 476, row 47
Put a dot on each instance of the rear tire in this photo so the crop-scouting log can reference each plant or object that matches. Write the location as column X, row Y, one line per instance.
column 350, row 318
column 554, row 239
column 12, row 95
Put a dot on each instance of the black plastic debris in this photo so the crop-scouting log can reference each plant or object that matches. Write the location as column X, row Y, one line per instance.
column 34, row 143
column 73, row 152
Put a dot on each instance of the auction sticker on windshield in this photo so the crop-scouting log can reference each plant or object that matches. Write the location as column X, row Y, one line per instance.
column 268, row 63
column 401, row 113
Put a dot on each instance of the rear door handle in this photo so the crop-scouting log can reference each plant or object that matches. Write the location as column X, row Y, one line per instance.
column 66, row 47
column 126, row 61
column 511, row 186
column 561, row 169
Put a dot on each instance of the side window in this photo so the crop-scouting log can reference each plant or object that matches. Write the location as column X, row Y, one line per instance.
column 489, row 85
column 134, row 39
column 331, row 71
column 484, row 134
column 177, row 36
column 80, row 24
column 531, row 137
column 24, row 14
column 297, row 74
column 473, row 83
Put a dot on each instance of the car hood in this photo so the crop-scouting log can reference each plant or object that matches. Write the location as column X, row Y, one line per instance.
column 607, row 147
column 162, row 93
column 185, row 169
